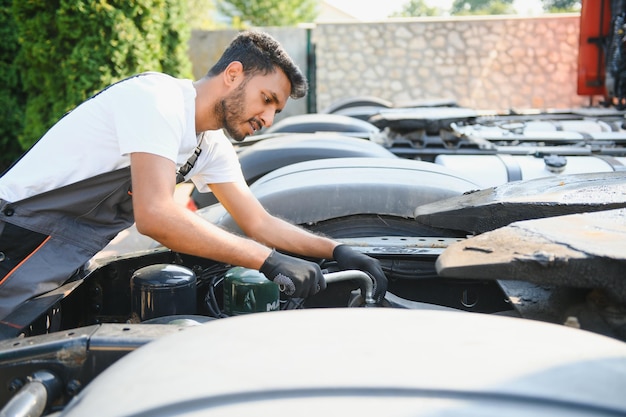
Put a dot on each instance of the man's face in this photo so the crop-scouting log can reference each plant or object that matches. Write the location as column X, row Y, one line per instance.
column 253, row 104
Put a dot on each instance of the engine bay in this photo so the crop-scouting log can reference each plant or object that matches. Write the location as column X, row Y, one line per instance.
column 105, row 295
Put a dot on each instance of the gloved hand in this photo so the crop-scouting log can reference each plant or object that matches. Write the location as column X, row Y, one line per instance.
column 347, row 258
column 296, row 277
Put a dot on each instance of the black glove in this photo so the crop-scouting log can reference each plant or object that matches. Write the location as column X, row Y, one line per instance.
column 347, row 258
column 295, row 277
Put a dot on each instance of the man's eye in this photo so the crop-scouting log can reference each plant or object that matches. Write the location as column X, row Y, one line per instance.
column 266, row 99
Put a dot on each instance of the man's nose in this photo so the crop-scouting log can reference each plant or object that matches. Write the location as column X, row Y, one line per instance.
column 267, row 118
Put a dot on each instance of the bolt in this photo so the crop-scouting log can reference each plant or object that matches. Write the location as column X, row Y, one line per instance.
column 73, row 387
column 572, row 321
column 15, row 385
column 95, row 291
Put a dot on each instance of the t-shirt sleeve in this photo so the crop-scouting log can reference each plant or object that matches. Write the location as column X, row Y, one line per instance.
column 217, row 163
column 149, row 116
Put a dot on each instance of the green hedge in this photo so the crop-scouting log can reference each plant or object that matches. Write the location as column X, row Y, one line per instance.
column 71, row 49
column 12, row 98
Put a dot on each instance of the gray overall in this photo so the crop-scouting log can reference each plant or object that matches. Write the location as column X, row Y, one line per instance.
column 44, row 239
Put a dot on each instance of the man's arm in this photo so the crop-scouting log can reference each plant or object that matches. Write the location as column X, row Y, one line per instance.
column 258, row 224
column 157, row 215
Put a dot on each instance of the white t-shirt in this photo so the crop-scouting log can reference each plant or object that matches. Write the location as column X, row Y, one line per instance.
column 152, row 113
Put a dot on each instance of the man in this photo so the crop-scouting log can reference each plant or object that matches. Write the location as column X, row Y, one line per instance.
column 115, row 159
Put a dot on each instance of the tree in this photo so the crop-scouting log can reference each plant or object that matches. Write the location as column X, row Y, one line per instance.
column 200, row 14
column 416, row 8
column 561, row 6
column 269, row 12
column 71, row 49
column 483, row 7
column 12, row 99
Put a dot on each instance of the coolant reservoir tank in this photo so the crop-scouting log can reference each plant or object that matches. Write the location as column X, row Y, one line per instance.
column 249, row 291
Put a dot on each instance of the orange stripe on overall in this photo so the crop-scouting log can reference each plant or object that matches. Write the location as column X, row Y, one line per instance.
column 24, row 260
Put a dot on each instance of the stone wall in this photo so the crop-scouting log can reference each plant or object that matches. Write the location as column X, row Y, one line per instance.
column 486, row 63
column 493, row 63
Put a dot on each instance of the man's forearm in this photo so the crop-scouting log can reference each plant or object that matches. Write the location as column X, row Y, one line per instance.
column 285, row 236
column 185, row 232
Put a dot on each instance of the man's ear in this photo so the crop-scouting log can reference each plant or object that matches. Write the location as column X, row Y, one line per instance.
column 233, row 74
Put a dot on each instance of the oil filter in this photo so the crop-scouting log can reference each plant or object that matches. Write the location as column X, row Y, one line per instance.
column 162, row 290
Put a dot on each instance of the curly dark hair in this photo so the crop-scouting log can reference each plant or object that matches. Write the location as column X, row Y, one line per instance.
column 260, row 53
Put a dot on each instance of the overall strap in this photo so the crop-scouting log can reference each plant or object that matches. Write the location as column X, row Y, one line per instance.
column 184, row 170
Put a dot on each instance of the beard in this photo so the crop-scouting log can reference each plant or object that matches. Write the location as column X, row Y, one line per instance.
column 228, row 110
